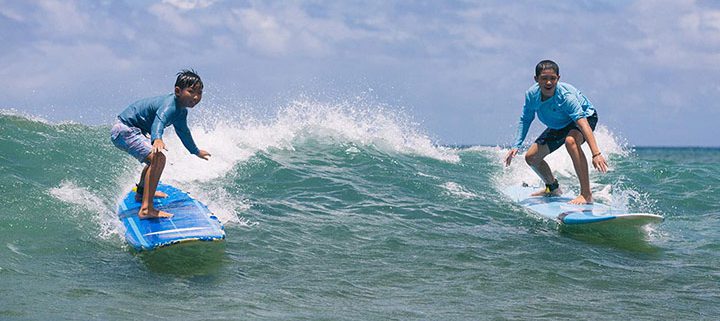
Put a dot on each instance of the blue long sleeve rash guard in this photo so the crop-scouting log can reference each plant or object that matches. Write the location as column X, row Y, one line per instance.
column 153, row 114
column 566, row 106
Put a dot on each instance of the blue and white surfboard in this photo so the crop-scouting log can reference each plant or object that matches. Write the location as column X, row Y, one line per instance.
column 191, row 221
column 558, row 209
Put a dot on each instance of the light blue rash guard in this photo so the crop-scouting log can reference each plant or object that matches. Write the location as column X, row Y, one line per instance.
column 566, row 106
column 153, row 114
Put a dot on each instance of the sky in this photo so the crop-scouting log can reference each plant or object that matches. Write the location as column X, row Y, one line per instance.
column 459, row 69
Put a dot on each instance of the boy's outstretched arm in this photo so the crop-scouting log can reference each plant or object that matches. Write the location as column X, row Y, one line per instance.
column 598, row 160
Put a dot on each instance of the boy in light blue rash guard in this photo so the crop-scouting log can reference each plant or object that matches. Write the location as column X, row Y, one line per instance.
column 571, row 120
column 150, row 116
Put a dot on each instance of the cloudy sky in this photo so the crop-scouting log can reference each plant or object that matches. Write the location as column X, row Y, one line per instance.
column 457, row 68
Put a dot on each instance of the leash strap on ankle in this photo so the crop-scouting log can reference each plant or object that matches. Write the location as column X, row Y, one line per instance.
column 549, row 188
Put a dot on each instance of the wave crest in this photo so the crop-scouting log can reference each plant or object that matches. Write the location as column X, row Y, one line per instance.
column 233, row 141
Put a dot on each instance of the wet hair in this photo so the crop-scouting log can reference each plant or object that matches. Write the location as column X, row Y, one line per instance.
column 188, row 78
column 546, row 64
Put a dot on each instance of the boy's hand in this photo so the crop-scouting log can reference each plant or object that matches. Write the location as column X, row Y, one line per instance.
column 510, row 155
column 599, row 163
column 158, row 146
column 203, row 154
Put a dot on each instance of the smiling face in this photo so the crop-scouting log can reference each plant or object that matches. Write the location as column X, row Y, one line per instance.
column 190, row 96
column 547, row 80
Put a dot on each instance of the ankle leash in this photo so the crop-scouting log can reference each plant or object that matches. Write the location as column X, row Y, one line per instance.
column 549, row 188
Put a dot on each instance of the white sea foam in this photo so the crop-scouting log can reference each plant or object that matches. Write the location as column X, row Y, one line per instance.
column 231, row 142
column 345, row 122
column 15, row 112
column 100, row 212
column 458, row 190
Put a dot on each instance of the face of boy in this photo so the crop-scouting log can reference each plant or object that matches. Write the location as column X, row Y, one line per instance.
column 547, row 80
column 190, row 96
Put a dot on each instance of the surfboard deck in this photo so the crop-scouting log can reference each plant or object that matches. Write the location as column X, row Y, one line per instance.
column 191, row 221
column 557, row 208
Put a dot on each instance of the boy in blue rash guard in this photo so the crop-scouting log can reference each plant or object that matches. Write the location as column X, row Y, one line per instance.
column 150, row 116
column 570, row 118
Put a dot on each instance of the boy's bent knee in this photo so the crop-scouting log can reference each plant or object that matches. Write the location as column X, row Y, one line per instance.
column 570, row 141
column 532, row 159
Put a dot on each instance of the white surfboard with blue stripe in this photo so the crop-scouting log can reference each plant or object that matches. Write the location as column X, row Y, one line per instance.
column 558, row 209
column 191, row 221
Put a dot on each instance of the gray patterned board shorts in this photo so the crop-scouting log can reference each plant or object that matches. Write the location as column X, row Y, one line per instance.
column 131, row 140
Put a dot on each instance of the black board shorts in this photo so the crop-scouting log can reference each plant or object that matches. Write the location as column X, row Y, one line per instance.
column 554, row 138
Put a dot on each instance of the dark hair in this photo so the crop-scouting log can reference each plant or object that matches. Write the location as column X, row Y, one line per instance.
column 546, row 64
column 188, row 78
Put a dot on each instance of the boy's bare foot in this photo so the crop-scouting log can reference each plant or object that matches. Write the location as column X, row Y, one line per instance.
column 581, row 200
column 158, row 194
column 542, row 192
column 146, row 214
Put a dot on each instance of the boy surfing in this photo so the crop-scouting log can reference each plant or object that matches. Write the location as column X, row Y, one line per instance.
column 571, row 120
column 150, row 116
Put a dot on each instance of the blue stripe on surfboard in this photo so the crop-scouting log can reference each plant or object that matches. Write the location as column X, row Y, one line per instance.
column 583, row 217
column 138, row 235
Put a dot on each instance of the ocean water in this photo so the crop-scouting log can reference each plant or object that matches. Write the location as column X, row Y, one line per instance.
column 340, row 213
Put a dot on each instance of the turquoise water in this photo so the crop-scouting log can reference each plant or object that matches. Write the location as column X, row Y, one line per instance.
column 340, row 214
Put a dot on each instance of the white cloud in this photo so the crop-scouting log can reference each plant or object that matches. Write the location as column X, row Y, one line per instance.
column 11, row 14
column 264, row 32
column 62, row 18
column 173, row 17
column 51, row 64
column 189, row 4
column 291, row 30
column 678, row 33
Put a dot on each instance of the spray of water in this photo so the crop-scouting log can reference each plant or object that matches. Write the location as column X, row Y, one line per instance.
column 85, row 201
